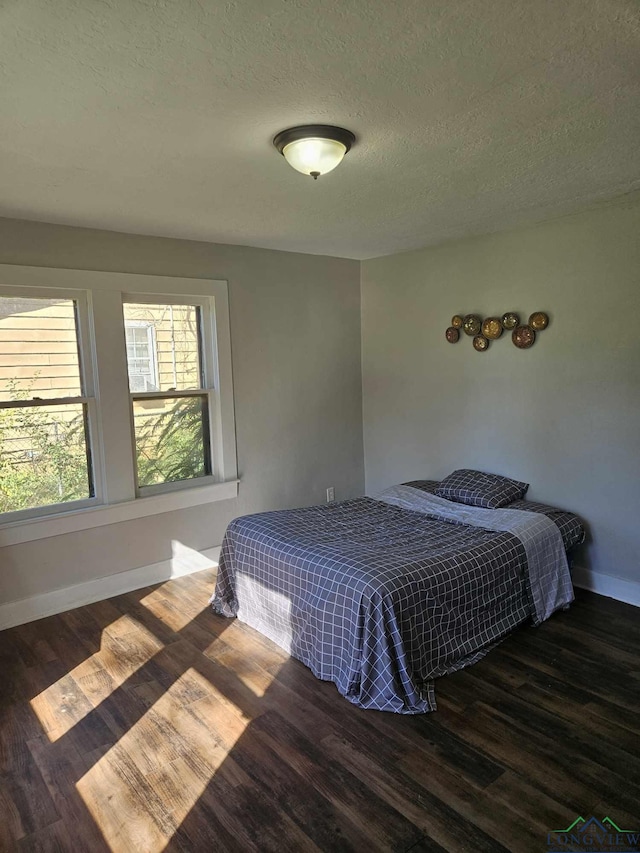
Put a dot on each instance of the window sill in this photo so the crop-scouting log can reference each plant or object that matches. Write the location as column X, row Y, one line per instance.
column 15, row 533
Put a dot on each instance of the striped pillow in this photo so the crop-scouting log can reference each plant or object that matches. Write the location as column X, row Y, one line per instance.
column 476, row 488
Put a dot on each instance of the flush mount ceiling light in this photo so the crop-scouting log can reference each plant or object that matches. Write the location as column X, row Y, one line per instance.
column 314, row 149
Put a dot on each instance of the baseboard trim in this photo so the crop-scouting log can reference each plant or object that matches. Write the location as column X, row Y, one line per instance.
column 185, row 561
column 607, row 585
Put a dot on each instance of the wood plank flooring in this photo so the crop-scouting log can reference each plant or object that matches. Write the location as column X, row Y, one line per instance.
column 147, row 723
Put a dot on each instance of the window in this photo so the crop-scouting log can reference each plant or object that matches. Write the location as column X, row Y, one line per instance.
column 169, row 395
column 47, row 411
column 113, row 387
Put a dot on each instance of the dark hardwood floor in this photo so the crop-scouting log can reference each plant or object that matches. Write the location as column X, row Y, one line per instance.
column 146, row 723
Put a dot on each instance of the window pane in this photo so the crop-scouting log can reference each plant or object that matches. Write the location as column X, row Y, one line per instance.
column 38, row 349
column 171, row 437
column 43, row 456
column 163, row 347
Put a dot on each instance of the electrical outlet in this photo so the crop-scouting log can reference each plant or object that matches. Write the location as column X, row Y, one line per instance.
column 331, row 494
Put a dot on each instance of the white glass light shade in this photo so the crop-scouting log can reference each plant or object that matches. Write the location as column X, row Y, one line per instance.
column 314, row 156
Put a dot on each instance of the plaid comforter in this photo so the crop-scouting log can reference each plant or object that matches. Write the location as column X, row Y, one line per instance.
column 376, row 598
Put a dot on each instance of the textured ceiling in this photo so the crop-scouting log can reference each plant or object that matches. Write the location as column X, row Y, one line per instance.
column 156, row 116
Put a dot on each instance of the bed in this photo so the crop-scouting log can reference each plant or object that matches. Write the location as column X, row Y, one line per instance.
column 383, row 596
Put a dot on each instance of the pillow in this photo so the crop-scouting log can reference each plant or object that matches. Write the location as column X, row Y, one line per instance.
column 476, row 488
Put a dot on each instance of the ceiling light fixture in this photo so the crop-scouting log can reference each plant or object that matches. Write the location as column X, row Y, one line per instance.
column 314, row 149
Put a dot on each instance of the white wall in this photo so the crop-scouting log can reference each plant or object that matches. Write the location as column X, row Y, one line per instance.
column 295, row 335
column 564, row 415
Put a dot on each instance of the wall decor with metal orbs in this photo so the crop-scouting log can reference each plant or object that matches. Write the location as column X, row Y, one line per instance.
column 523, row 335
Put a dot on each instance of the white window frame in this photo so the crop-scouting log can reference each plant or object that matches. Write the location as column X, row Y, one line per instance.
column 99, row 297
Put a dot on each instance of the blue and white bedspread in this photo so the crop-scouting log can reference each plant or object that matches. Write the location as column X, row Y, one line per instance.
column 383, row 596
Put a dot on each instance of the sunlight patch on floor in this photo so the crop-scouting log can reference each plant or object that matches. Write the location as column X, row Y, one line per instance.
column 250, row 656
column 144, row 787
column 170, row 612
column 125, row 647
column 250, row 674
column 167, row 602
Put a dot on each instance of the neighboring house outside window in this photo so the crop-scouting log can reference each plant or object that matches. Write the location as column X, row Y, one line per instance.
column 115, row 388
column 142, row 358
